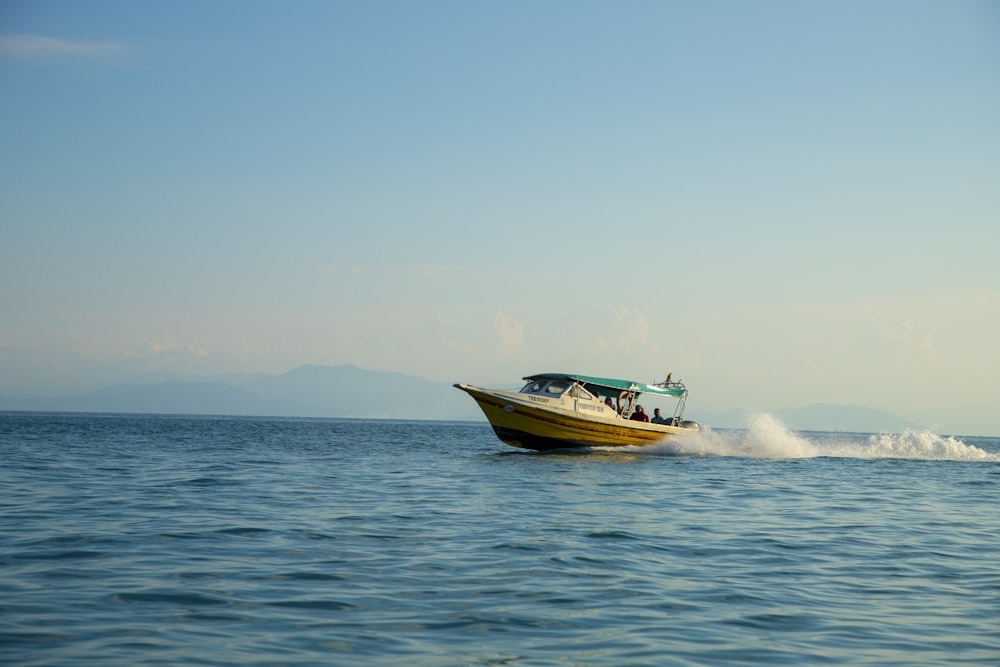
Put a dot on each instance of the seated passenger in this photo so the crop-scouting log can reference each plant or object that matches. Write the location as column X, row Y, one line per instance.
column 639, row 415
column 608, row 404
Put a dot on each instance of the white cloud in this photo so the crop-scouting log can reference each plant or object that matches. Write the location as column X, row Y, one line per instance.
column 40, row 47
column 459, row 345
column 394, row 271
column 169, row 346
column 633, row 328
column 510, row 331
column 905, row 335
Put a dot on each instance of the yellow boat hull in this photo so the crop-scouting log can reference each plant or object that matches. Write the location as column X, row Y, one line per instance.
column 520, row 424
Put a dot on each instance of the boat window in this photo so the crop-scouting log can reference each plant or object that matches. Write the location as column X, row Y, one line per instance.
column 576, row 391
column 556, row 387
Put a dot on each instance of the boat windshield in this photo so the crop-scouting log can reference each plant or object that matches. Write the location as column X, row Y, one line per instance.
column 547, row 387
column 557, row 387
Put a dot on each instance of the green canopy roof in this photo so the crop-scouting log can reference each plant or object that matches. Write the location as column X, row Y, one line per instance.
column 674, row 389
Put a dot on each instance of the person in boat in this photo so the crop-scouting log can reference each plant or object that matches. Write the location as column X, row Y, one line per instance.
column 607, row 402
column 639, row 415
column 658, row 418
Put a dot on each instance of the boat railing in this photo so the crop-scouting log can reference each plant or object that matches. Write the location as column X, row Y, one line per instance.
column 670, row 384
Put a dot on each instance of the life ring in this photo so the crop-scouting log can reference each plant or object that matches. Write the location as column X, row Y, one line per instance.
column 624, row 403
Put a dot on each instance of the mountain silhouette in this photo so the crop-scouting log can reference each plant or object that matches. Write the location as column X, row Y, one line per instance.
column 306, row 391
column 348, row 391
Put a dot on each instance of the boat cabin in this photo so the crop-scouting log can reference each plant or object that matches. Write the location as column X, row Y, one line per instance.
column 556, row 388
column 599, row 396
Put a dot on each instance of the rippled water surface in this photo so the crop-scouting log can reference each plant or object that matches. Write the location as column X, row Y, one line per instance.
column 162, row 540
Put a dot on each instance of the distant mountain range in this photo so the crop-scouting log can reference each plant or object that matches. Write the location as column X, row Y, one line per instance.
column 348, row 391
column 307, row 391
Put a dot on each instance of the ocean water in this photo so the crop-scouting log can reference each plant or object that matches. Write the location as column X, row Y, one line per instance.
column 167, row 540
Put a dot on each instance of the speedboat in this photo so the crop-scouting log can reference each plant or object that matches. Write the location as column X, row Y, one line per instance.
column 563, row 410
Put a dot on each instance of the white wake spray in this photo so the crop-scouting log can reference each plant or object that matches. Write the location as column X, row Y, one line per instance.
column 924, row 445
column 766, row 437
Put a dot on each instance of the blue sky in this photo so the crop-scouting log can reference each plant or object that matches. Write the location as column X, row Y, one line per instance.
column 784, row 203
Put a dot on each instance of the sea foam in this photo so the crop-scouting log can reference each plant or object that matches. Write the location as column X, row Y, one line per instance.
column 766, row 437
